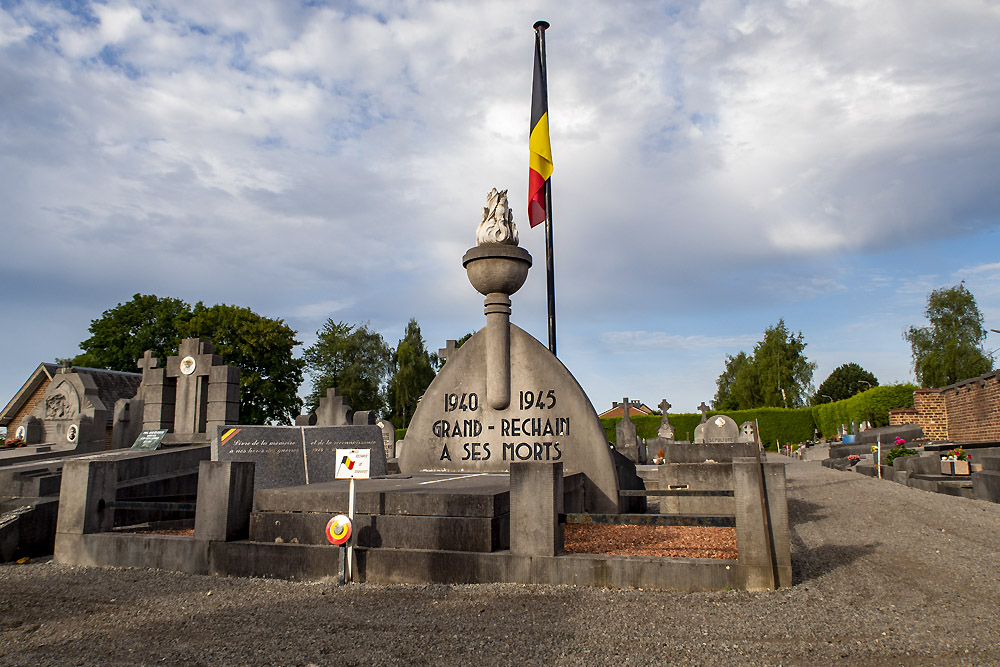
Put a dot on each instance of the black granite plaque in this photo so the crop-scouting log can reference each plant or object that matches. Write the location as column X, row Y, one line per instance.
column 295, row 455
column 322, row 443
column 149, row 440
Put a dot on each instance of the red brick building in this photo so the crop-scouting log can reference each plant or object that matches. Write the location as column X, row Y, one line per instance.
column 967, row 411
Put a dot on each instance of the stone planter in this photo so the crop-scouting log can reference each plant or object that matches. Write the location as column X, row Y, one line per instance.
column 954, row 467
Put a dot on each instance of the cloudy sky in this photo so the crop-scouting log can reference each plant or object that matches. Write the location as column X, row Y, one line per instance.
column 718, row 166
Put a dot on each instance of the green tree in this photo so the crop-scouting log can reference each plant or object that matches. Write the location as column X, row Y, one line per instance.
column 412, row 372
column 121, row 335
column 784, row 375
column 262, row 349
column 724, row 400
column 776, row 375
column 845, row 381
column 354, row 359
column 951, row 348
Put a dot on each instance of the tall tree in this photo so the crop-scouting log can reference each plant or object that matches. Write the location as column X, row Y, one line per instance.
column 412, row 372
column 354, row 359
column 785, row 375
column 845, row 381
column 262, row 349
column 724, row 400
column 776, row 375
column 121, row 335
column 951, row 348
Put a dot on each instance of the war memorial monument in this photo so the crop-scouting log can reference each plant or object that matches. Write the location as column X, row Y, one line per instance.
column 503, row 451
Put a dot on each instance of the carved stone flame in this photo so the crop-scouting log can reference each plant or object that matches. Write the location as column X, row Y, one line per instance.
column 498, row 221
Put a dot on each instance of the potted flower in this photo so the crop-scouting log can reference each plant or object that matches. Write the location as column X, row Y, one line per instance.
column 659, row 459
column 853, row 459
column 14, row 442
column 955, row 462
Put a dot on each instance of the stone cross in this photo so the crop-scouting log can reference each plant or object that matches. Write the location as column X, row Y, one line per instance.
column 664, row 406
column 147, row 362
column 704, row 412
column 191, row 403
column 332, row 411
column 625, row 408
column 448, row 348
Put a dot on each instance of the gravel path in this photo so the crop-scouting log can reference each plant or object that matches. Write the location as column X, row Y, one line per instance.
column 884, row 575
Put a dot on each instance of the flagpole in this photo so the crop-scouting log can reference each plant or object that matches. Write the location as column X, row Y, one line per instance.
column 550, row 280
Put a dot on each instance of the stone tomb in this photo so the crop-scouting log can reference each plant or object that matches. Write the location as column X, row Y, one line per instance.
column 719, row 428
column 192, row 395
column 71, row 417
column 296, row 455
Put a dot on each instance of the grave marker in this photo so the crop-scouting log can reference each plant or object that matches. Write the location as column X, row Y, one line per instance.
column 296, row 455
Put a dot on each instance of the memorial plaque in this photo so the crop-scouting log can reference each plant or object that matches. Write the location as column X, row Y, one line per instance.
column 322, row 443
column 149, row 440
column 295, row 455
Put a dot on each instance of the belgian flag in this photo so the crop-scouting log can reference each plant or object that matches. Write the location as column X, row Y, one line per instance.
column 540, row 160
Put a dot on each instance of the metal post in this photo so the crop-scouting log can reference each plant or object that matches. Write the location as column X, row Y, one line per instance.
column 550, row 281
column 349, row 573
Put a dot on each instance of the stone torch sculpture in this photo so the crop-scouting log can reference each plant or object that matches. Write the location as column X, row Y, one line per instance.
column 497, row 268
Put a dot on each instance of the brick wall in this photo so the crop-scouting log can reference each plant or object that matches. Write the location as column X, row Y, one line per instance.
column 967, row 411
column 974, row 409
column 27, row 408
column 903, row 416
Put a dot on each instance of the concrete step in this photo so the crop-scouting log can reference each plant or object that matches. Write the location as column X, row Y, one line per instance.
column 388, row 531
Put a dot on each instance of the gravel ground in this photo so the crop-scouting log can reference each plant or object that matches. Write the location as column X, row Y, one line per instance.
column 884, row 575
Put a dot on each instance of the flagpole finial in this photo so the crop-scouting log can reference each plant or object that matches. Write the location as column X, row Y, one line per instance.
column 544, row 25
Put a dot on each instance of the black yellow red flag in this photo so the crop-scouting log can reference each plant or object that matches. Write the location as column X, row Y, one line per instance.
column 540, row 159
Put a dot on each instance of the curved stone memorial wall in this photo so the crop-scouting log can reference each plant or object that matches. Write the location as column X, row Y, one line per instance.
column 549, row 418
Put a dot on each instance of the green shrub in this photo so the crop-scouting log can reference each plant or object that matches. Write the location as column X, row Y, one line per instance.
column 776, row 424
column 898, row 451
column 872, row 405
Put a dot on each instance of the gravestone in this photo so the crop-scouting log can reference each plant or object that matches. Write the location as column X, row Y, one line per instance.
column 295, row 455
column 626, row 437
column 71, row 415
column 332, row 411
column 388, row 438
column 503, row 396
column 718, row 429
column 748, row 432
column 665, row 430
column 704, row 412
column 447, row 350
column 192, row 395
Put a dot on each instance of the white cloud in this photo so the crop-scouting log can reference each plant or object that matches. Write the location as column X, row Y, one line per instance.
column 748, row 158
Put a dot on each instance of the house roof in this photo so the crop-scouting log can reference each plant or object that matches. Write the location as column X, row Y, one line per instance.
column 634, row 407
column 111, row 386
column 40, row 375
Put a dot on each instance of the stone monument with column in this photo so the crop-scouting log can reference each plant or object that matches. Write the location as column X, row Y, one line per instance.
column 503, row 396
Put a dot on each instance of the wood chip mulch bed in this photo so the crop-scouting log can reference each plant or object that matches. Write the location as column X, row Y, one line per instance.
column 659, row 541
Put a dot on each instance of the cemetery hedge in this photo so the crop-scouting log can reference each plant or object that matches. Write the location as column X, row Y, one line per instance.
column 786, row 425
column 872, row 405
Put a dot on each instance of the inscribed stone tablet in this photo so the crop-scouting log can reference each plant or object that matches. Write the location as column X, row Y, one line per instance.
column 276, row 452
column 149, row 440
column 322, row 443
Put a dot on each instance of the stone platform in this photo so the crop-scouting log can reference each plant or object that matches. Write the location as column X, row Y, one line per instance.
column 463, row 512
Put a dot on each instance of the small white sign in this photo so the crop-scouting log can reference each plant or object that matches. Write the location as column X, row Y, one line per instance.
column 188, row 365
column 353, row 464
